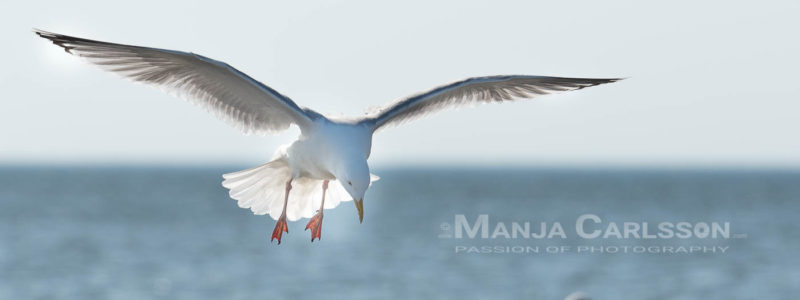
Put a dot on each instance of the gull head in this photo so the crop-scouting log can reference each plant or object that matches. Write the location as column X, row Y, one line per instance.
column 354, row 177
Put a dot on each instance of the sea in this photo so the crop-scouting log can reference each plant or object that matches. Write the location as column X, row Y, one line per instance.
column 123, row 232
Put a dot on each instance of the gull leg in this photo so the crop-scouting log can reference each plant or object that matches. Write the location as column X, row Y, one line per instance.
column 281, row 226
column 315, row 224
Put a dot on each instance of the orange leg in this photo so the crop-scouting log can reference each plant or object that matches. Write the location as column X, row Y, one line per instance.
column 315, row 224
column 281, row 226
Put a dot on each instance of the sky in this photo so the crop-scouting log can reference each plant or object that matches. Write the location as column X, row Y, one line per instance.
column 710, row 83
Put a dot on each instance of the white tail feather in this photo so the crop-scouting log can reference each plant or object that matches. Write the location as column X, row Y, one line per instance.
column 261, row 189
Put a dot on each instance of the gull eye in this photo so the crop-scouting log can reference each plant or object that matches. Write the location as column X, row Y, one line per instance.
column 350, row 183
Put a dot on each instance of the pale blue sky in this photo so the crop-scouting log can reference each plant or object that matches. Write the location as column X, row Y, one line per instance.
column 711, row 82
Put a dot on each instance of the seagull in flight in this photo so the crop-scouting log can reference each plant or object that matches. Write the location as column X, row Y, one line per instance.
column 329, row 158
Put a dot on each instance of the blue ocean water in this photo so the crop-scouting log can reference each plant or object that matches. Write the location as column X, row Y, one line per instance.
column 173, row 233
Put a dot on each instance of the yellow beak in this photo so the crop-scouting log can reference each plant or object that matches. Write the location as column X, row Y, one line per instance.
column 360, row 208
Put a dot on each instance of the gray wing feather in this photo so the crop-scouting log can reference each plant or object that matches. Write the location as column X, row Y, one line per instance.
column 229, row 94
column 475, row 90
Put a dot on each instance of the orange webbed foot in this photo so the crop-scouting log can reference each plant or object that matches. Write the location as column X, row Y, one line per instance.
column 315, row 224
column 280, row 228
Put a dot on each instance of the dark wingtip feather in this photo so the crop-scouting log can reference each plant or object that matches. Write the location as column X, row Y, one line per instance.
column 607, row 80
column 589, row 82
column 599, row 81
column 57, row 39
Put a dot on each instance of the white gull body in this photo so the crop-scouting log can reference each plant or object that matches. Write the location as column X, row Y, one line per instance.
column 331, row 150
column 295, row 183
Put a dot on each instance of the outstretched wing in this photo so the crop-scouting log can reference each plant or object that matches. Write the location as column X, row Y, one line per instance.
column 475, row 90
column 229, row 94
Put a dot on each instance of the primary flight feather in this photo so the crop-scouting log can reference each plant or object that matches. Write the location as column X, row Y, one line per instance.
column 327, row 164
